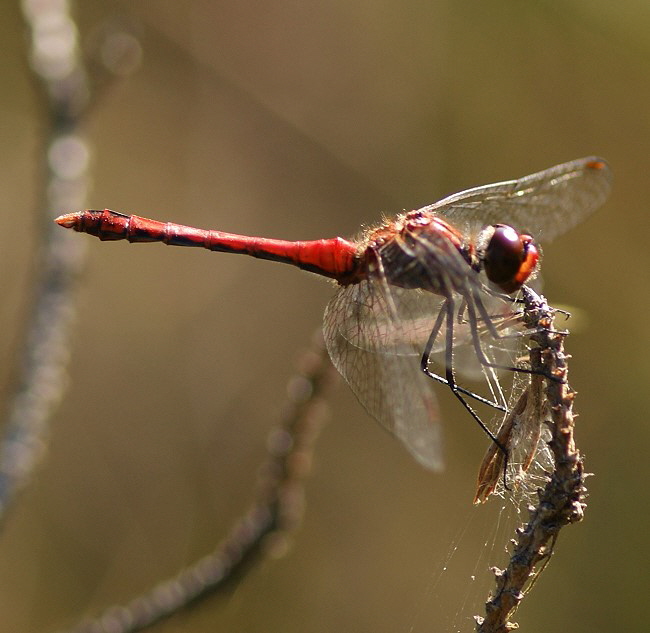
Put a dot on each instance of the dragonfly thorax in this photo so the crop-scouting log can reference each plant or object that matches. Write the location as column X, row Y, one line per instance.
column 421, row 250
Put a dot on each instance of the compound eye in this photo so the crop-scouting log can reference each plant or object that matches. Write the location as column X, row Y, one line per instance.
column 509, row 258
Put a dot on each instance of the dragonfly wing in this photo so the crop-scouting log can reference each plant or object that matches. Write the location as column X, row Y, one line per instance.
column 395, row 321
column 545, row 204
column 381, row 364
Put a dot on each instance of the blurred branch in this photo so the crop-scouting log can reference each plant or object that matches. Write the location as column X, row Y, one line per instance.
column 63, row 82
column 264, row 530
column 56, row 63
column 562, row 500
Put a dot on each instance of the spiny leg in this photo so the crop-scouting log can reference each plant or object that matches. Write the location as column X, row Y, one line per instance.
column 480, row 354
column 451, row 379
column 424, row 363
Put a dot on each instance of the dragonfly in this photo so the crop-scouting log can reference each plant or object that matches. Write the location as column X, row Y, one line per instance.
column 421, row 297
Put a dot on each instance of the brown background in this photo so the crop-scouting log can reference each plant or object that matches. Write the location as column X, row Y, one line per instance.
column 305, row 120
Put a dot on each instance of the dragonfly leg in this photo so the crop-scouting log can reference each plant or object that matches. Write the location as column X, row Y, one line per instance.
column 424, row 363
column 476, row 304
column 458, row 392
column 519, row 300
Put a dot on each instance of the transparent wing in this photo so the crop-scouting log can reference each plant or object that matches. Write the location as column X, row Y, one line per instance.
column 544, row 204
column 380, row 361
column 389, row 320
column 376, row 334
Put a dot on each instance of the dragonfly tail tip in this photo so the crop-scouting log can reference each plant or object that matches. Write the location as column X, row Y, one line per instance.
column 67, row 220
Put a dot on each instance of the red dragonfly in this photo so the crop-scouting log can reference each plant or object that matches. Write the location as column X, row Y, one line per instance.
column 418, row 291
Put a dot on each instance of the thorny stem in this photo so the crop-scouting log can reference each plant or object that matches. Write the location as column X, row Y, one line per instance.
column 561, row 502
column 264, row 529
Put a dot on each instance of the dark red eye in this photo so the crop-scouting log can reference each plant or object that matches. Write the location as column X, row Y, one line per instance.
column 509, row 259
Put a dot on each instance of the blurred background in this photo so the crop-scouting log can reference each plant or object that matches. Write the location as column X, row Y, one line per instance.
column 300, row 121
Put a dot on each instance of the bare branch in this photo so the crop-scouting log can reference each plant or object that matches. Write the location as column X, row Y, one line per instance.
column 562, row 500
column 267, row 525
column 56, row 63
column 62, row 80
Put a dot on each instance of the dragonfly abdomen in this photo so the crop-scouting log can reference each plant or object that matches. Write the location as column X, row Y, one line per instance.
column 335, row 257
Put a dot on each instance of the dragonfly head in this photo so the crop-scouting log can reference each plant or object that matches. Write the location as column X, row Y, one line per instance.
column 509, row 258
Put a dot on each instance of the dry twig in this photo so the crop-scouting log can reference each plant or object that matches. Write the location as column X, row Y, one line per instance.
column 57, row 65
column 561, row 502
column 266, row 526
column 67, row 94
